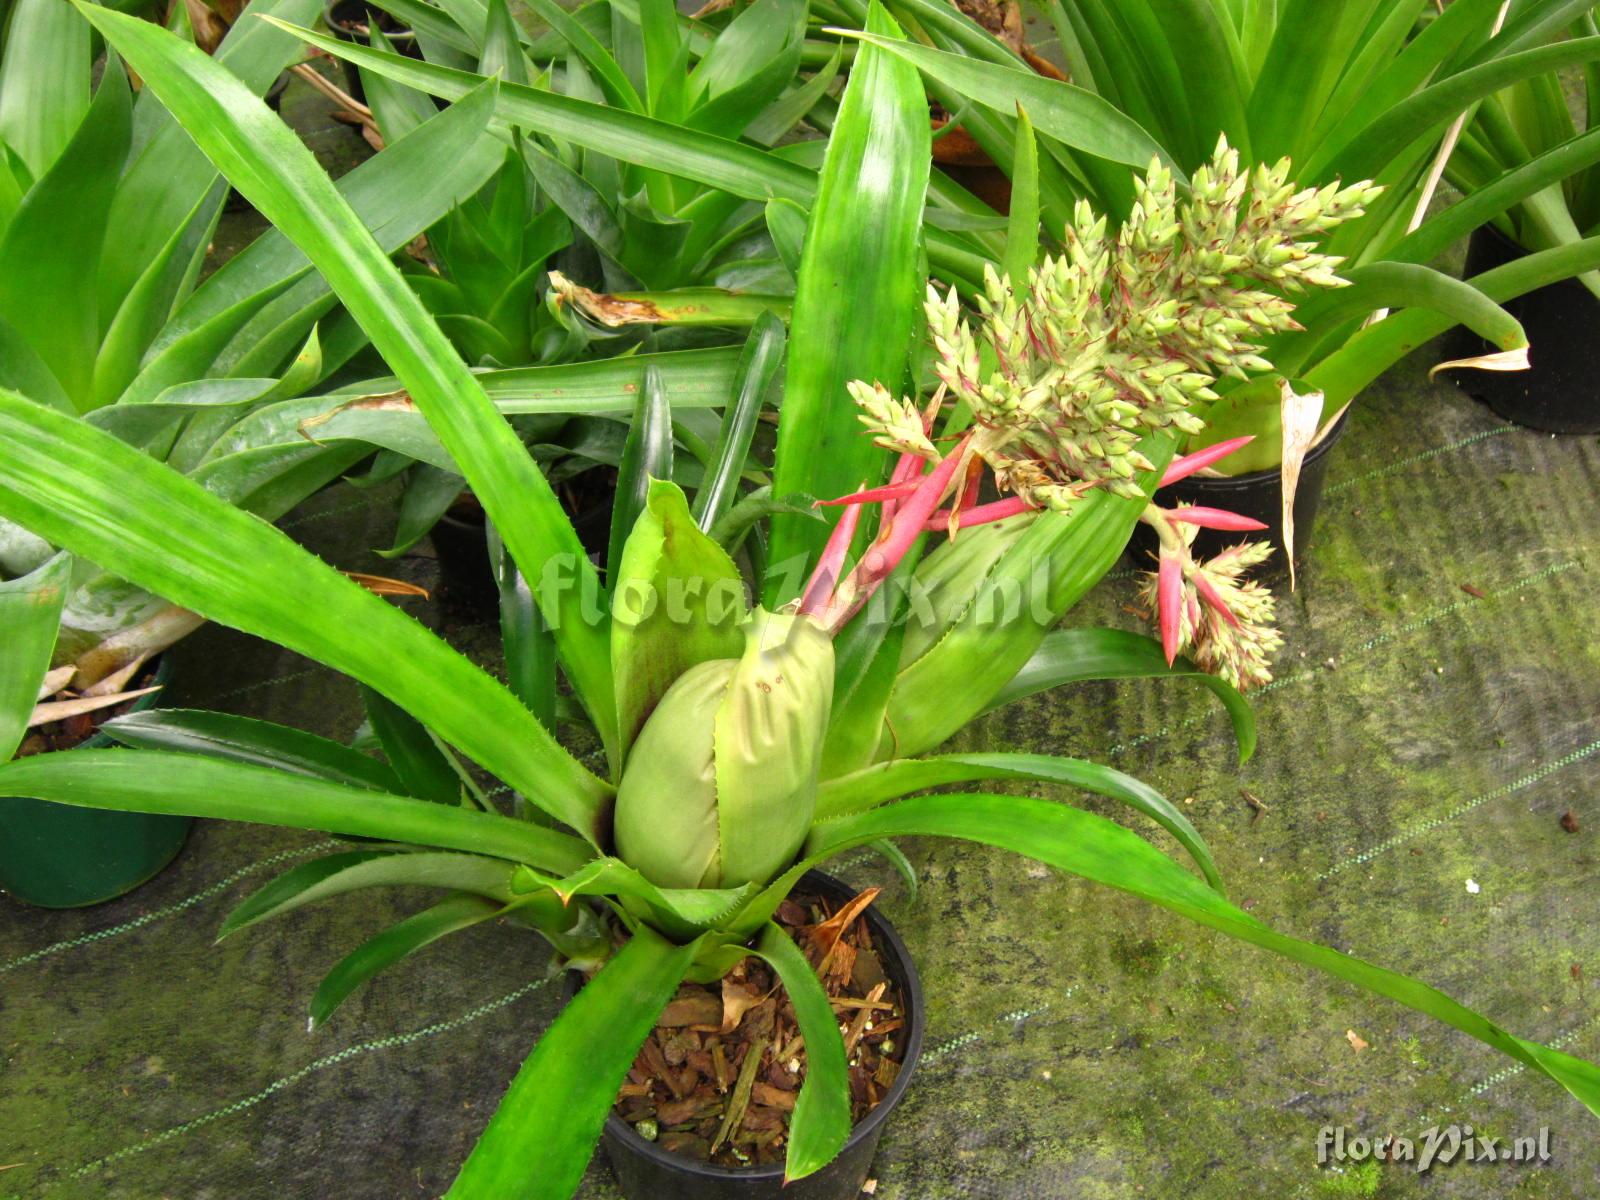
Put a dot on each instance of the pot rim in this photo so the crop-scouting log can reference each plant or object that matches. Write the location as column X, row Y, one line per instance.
column 1515, row 251
column 1256, row 478
column 337, row 25
column 911, row 996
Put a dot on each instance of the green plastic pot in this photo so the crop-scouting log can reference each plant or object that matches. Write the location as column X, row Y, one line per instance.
column 58, row 856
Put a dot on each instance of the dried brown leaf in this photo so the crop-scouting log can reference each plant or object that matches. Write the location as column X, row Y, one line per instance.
column 60, row 710
column 1500, row 360
column 826, row 935
column 737, row 999
column 382, row 585
column 55, row 680
column 1301, row 417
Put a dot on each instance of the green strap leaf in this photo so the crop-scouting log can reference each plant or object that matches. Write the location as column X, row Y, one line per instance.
column 820, row 1125
column 1022, row 228
column 1569, row 160
column 168, row 174
column 1211, row 73
column 579, row 199
column 1370, row 150
column 786, row 225
column 130, row 329
column 190, row 785
column 371, row 412
column 788, row 110
column 337, row 874
column 395, row 943
column 1076, row 117
column 680, row 912
column 430, row 23
column 867, row 656
column 23, row 370
column 88, row 492
column 44, row 81
column 758, row 504
column 247, row 740
column 1342, row 375
column 1387, row 38
column 857, row 298
column 1104, row 852
column 666, row 56
column 529, row 648
column 397, row 110
column 614, row 82
column 1533, row 25
column 540, row 1138
column 52, row 247
column 264, row 159
column 502, row 45
column 744, row 170
column 882, row 782
column 646, row 457
column 757, row 389
column 1076, row 655
column 30, row 618
column 417, row 760
column 399, row 193
column 429, row 493
column 1400, row 285
column 718, row 162
column 1311, row 45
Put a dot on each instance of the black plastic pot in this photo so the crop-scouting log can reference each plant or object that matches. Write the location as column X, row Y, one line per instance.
column 1258, row 494
column 647, row 1172
column 461, row 545
column 1560, row 392
column 345, row 20
column 61, row 856
column 466, row 581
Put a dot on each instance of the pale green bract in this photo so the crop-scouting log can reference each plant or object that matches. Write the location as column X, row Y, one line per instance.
column 721, row 784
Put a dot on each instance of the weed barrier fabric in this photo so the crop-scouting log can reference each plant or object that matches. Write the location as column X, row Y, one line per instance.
column 1432, row 722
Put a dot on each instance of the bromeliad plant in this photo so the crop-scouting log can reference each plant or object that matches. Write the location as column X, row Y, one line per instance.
column 609, row 226
column 106, row 212
column 744, row 744
column 1517, row 131
column 1370, row 89
column 1367, row 90
column 1118, row 339
column 570, row 256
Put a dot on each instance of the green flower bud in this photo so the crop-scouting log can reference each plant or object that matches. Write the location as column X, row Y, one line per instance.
column 720, row 788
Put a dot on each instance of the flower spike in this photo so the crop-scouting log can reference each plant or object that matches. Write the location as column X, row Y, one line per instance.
column 1170, row 601
column 905, row 470
column 981, row 514
column 1208, row 593
column 1182, row 468
column 1215, row 518
column 820, row 586
column 889, row 491
column 895, row 538
column 1206, row 609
